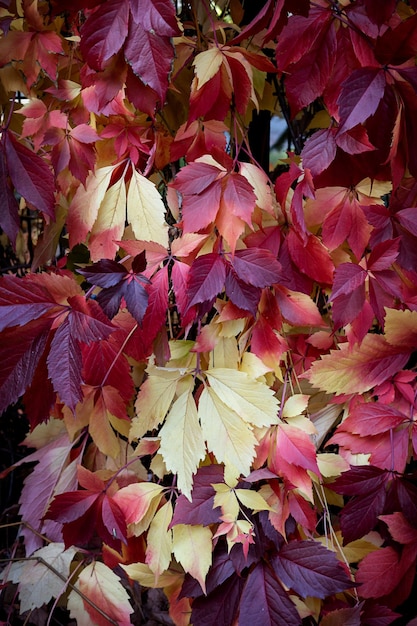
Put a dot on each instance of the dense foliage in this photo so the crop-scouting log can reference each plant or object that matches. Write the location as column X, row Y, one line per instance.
column 216, row 356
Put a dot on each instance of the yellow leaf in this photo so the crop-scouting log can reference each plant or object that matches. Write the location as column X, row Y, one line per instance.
column 206, row 65
column 225, row 353
column 146, row 210
column 228, row 436
column 372, row 190
column 192, row 547
column 182, row 443
column 154, row 400
column 295, row 405
column 158, row 552
column 331, row 464
column 253, row 401
column 252, row 500
column 110, row 223
column 85, row 205
column 253, row 366
column 401, row 327
column 145, row 576
column 226, row 499
column 104, row 590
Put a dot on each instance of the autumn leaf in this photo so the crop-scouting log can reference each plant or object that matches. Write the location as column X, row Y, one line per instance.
column 145, row 210
column 103, row 597
column 192, row 547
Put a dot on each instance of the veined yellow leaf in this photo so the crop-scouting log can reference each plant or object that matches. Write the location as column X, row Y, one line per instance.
column 192, row 547
column 146, row 211
column 182, row 443
column 110, row 223
column 252, row 500
column 145, row 576
column 253, row 401
column 226, row 499
column 207, row 64
column 154, row 400
column 331, row 464
column 85, row 205
column 158, row 552
column 401, row 327
column 295, row 405
column 228, row 436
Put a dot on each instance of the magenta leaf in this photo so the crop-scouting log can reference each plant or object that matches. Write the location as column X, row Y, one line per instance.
column 69, row 506
column 158, row 15
column 383, row 255
column 360, row 480
column 206, row 278
column 104, row 32
column 319, row 151
column 30, row 175
column 264, row 601
column 87, row 321
column 22, row 300
column 105, row 273
column 361, row 93
column 348, row 294
column 257, row 267
column 408, row 219
column 310, row 569
column 150, row 57
column 242, row 294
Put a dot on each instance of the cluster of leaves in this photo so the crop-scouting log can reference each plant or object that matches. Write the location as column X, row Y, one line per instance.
column 219, row 373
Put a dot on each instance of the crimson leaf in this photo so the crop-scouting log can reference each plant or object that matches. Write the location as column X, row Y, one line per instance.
column 256, row 267
column 104, row 32
column 361, row 93
column 206, row 278
column 310, row 569
column 22, row 300
column 220, row 607
column 30, row 175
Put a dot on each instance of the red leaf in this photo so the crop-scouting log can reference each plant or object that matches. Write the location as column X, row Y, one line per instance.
column 104, row 32
column 348, row 294
column 372, row 418
column 408, row 219
column 206, row 278
column 87, row 321
column 310, row 569
column 150, row 57
column 22, row 349
column 9, row 216
column 239, row 197
column 30, row 175
column 360, row 480
column 361, row 93
column 158, row 15
column 383, row 255
column 256, row 267
column 380, row 572
column 22, row 300
column 354, row 141
column 312, row 258
column 319, row 151
column 264, row 601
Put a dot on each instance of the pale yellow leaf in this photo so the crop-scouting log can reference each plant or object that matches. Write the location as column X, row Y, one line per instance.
column 355, row 551
column 104, row 590
column 226, row 499
column 38, row 583
column 110, row 223
column 192, row 547
column 158, row 552
column 182, row 443
column 145, row 576
column 228, row 436
column 225, row 353
column 154, row 400
column 252, row 500
column 253, row 401
column 302, row 422
column 146, row 210
column 207, row 64
column 259, row 181
column 295, row 405
column 331, row 464
column 135, row 499
column 401, row 327
column 85, row 205
column 372, row 190
column 253, row 366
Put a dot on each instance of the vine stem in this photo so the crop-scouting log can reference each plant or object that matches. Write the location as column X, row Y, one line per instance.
column 122, row 347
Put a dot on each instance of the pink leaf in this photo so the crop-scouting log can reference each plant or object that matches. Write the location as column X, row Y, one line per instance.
column 361, row 93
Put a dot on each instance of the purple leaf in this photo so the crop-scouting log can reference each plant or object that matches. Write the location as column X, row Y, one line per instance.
column 264, row 601
column 30, row 175
column 136, row 298
column 360, row 480
column 87, row 321
column 319, row 151
column 361, row 93
column 242, row 294
column 64, row 366
column 360, row 515
column 256, row 267
column 220, row 607
column 206, row 278
column 201, row 509
column 104, row 273
column 109, row 299
column 310, row 569
column 22, row 300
